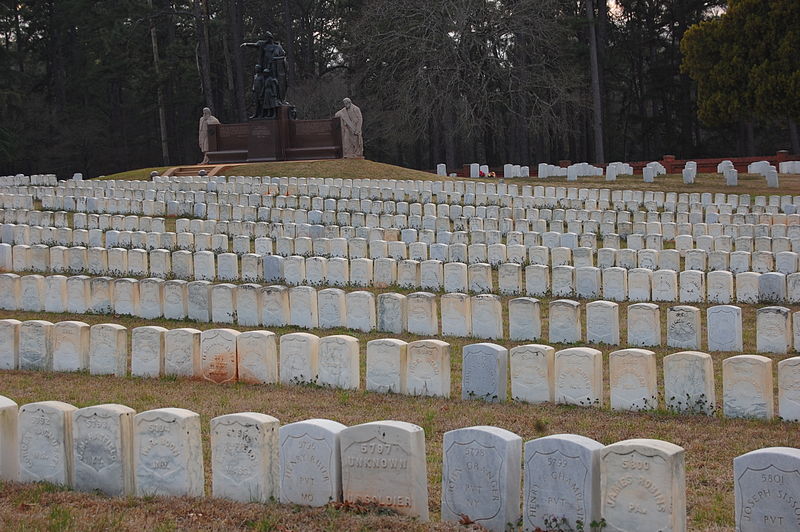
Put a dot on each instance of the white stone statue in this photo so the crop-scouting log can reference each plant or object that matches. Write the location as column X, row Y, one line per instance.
column 202, row 137
column 352, row 142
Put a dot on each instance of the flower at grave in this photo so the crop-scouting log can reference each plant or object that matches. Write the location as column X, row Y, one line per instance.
column 492, row 174
column 481, row 174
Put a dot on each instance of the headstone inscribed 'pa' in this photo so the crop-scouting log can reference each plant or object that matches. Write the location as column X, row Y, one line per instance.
column 484, row 370
column 579, row 376
column 299, row 358
column 747, row 387
column 108, row 349
column 9, row 458
column 387, row 365
column 643, row 486
column 218, row 355
column 310, row 467
column 428, row 370
column 103, row 449
column 384, row 463
column 789, row 389
column 562, row 478
column 689, row 382
column 45, row 442
column 244, row 457
column 339, row 362
column 168, row 453
column 766, row 484
column 481, row 476
column 532, row 373
column 257, row 357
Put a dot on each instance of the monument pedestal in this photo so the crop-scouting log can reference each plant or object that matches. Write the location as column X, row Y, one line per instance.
column 278, row 139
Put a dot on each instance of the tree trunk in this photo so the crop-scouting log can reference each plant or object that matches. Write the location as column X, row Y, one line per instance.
column 751, row 138
column 794, row 137
column 289, row 44
column 162, row 113
column 235, row 24
column 203, row 56
column 597, row 102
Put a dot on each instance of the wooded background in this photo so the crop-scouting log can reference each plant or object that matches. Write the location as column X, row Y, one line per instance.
column 105, row 86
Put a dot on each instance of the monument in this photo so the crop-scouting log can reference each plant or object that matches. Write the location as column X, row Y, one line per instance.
column 273, row 132
column 352, row 142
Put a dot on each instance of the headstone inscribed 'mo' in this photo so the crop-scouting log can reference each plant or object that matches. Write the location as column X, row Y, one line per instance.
column 747, row 387
column 789, row 389
column 103, row 449
column 532, row 373
column 384, row 463
column 108, row 349
column 689, row 382
column 310, row 466
column 766, row 484
column 338, row 357
column 168, row 453
column 562, row 478
column 45, row 442
column 428, row 370
column 579, row 376
column 387, row 365
column 643, row 486
column 299, row 358
column 484, row 371
column 244, row 457
column 9, row 459
column 257, row 357
column 481, row 469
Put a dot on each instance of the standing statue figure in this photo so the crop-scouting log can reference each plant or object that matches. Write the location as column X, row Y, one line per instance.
column 352, row 142
column 270, row 80
column 206, row 120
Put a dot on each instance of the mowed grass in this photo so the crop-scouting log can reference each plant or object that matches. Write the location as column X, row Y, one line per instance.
column 711, row 443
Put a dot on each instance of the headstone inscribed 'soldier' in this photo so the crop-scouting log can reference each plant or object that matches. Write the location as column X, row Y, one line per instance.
column 45, row 442
column 689, row 382
column 789, row 389
column 147, row 351
column 562, row 478
column 9, row 457
column 579, row 376
column 218, row 355
column 168, row 453
column 257, row 357
column 244, row 457
column 532, row 371
column 108, row 349
column 387, row 365
column 747, row 387
column 766, row 484
column 103, row 449
column 481, row 469
column 428, row 370
column 299, row 358
column 643, row 486
column 338, row 357
column 70, row 346
column 182, row 352
column 484, row 372
column 632, row 374
column 384, row 463
column 310, row 462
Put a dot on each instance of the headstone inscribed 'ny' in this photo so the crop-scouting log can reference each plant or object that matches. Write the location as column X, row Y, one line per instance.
column 484, row 370
column 244, row 457
column 310, row 466
column 428, row 371
column 481, row 476
column 9, row 458
column 168, row 453
column 643, row 486
column 562, row 478
column 218, row 355
column 299, row 358
column 338, row 357
column 257, row 357
column 766, row 484
column 45, row 442
column 747, row 387
column 579, row 376
column 789, row 389
column 384, row 463
column 689, row 382
column 103, row 449
column 532, row 370
column 387, row 364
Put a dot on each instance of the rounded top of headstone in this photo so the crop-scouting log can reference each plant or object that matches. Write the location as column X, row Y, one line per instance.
column 202, row 173
column 154, row 174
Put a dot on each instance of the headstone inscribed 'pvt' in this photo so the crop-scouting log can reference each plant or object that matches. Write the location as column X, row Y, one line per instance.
column 218, row 355
column 384, row 463
column 103, row 449
column 244, row 457
column 310, row 467
column 532, row 370
column 643, row 486
column 747, row 387
column 481, row 476
column 108, row 349
column 689, row 382
column 257, row 357
column 168, row 453
column 789, row 389
column 484, row 372
column 182, row 352
column 338, row 362
column 9, row 458
column 387, row 365
column 428, row 370
column 299, row 358
column 45, row 442
column 562, row 478
column 579, row 376
column 633, row 379
column 766, row 484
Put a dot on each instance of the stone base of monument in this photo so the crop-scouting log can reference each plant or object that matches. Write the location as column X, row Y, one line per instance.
column 278, row 139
